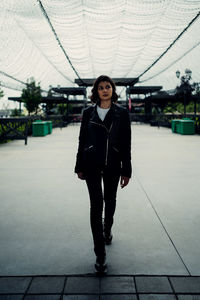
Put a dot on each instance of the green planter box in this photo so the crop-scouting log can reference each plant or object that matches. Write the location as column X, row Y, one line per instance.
column 187, row 127
column 49, row 124
column 175, row 125
column 178, row 126
column 40, row 128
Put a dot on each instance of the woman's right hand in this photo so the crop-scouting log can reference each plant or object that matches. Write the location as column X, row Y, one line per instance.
column 81, row 176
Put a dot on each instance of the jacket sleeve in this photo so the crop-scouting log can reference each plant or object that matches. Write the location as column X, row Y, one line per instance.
column 82, row 138
column 126, row 144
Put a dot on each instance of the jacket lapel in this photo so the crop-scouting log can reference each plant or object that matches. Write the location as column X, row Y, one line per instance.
column 112, row 117
column 94, row 116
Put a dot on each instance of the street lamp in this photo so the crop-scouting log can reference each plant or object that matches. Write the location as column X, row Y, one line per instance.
column 178, row 73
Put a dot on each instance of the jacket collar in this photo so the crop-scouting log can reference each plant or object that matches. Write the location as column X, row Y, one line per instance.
column 112, row 114
column 112, row 117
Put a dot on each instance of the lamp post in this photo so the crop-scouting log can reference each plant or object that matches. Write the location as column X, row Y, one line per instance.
column 185, row 87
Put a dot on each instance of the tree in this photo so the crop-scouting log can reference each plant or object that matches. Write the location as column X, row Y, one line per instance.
column 31, row 96
column 184, row 90
column 196, row 88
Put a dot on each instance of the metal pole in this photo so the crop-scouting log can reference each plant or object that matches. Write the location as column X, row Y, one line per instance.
column 195, row 107
column 127, row 97
column 67, row 110
column 184, row 104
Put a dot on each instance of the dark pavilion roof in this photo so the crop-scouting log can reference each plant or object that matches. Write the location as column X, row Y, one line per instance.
column 18, row 99
column 70, row 90
column 117, row 81
column 143, row 89
column 49, row 100
column 59, row 98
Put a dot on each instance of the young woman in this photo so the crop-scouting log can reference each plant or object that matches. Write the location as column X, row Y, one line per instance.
column 104, row 154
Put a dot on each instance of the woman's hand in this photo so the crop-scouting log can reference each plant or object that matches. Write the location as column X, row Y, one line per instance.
column 124, row 181
column 81, row 176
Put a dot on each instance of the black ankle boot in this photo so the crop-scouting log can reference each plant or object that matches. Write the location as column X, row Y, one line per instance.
column 101, row 265
column 108, row 238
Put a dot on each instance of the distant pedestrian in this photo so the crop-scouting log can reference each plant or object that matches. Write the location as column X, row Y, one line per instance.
column 104, row 154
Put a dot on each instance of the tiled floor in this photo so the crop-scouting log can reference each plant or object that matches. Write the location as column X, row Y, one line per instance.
column 104, row 288
column 155, row 250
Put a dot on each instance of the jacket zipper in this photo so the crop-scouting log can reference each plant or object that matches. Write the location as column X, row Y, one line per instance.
column 106, row 161
column 116, row 149
column 88, row 147
column 108, row 131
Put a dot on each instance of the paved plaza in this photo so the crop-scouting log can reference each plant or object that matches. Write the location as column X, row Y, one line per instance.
column 46, row 242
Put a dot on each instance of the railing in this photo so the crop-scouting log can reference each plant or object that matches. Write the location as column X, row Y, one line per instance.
column 74, row 118
column 19, row 128
column 14, row 129
column 57, row 120
column 165, row 119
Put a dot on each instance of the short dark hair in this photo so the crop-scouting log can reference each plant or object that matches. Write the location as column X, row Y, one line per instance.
column 95, row 96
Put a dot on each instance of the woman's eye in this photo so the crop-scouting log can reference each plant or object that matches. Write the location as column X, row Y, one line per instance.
column 107, row 87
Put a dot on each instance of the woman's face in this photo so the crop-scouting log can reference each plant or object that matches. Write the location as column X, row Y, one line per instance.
column 105, row 91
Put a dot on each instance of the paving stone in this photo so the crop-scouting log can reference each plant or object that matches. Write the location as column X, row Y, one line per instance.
column 118, row 297
column 11, row 297
column 80, row 297
column 188, row 297
column 186, row 284
column 14, row 285
column 157, row 297
column 46, row 285
column 148, row 284
column 119, row 285
column 82, row 285
column 42, row 297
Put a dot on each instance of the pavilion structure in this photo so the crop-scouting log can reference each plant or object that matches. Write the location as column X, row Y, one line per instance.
column 146, row 91
column 77, row 96
column 61, row 95
column 129, row 83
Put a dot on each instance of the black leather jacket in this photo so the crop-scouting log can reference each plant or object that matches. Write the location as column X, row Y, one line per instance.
column 106, row 143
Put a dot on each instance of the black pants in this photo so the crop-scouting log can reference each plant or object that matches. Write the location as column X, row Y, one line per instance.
column 99, row 197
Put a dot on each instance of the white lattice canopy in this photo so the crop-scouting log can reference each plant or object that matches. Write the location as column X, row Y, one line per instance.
column 58, row 41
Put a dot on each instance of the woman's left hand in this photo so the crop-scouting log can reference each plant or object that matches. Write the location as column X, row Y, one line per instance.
column 81, row 175
column 124, row 181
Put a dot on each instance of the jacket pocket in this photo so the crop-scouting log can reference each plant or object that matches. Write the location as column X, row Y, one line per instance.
column 89, row 157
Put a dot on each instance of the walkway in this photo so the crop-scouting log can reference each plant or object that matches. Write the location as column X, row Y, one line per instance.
column 44, row 216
